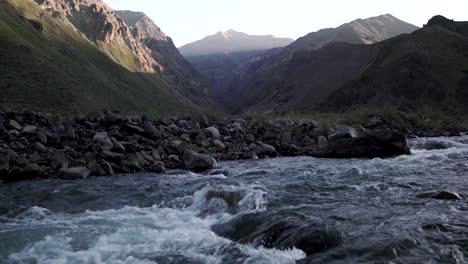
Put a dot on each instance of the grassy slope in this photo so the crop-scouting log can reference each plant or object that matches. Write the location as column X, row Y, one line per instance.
column 59, row 71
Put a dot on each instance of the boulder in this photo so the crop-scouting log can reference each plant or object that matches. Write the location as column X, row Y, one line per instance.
column 322, row 141
column 265, row 149
column 198, row 162
column 29, row 129
column 231, row 198
column 343, row 132
column 118, row 147
column 39, row 147
column 58, row 160
column 69, row 133
column 74, row 173
column 15, row 125
column 103, row 141
column 4, row 162
column 377, row 143
column 250, row 138
column 219, row 145
column 151, row 130
column 42, row 137
column 112, row 156
column 214, row 132
column 158, row 167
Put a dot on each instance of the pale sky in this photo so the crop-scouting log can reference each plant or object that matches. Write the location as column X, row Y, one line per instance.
column 188, row 20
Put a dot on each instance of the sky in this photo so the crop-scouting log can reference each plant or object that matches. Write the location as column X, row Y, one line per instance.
column 186, row 21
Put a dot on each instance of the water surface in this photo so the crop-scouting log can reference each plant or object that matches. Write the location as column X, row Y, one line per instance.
column 333, row 211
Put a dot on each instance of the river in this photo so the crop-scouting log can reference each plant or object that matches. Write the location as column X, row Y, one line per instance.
column 283, row 210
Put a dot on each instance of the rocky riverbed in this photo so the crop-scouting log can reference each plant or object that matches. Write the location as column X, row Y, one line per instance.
column 37, row 145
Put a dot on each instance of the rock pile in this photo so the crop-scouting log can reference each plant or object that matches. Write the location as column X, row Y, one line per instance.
column 38, row 145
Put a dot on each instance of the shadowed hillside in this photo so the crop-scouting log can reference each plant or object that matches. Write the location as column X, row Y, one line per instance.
column 80, row 57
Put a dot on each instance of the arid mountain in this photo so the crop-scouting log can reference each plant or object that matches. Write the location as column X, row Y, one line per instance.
column 230, row 42
column 427, row 69
column 68, row 56
column 361, row 31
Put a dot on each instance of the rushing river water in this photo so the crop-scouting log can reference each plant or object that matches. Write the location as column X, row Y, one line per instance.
column 283, row 210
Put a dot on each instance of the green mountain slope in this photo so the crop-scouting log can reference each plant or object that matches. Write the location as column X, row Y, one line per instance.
column 423, row 71
column 48, row 64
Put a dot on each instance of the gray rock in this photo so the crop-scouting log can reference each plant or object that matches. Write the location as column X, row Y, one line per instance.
column 113, row 156
column 343, row 132
column 39, row 147
column 58, row 160
column 231, row 198
column 174, row 158
column 118, row 147
column 102, row 168
column 135, row 129
column 22, row 161
column 322, row 141
column 74, row 173
column 214, row 132
column 158, row 167
column 15, row 125
column 198, row 162
column 250, row 138
column 205, row 143
column 265, row 149
column 29, row 129
column 69, row 133
column 4, row 162
column 103, row 141
column 151, row 130
column 42, row 137
column 219, row 145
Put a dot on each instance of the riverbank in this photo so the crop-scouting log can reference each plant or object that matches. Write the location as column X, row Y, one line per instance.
column 36, row 145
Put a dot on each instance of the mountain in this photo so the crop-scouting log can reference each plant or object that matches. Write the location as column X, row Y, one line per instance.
column 266, row 66
column 426, row 70
column 183, row 74
column 66, row 56
column 360, row 31
column 217, row 56
column 230, row 42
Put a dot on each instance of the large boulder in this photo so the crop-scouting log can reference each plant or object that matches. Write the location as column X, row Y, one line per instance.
column 198, row 162
column 214, row 132
column 343, row 132
column 377, row 143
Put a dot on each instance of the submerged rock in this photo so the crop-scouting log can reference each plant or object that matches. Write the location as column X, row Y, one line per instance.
column 231, row 198
column 74, row 173
column 198, row 162
column 441, row 195
column 275, row 231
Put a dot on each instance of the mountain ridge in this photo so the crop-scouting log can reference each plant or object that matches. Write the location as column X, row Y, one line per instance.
column 232, row 41
column 425, row 69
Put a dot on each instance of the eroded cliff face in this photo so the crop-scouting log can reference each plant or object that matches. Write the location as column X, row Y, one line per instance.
column 102, row 26
column 164, row 51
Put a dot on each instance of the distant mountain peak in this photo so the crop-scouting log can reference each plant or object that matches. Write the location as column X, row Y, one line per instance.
column 231, row 41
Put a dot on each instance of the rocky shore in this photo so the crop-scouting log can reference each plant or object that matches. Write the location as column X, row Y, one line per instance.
column 37, row 145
